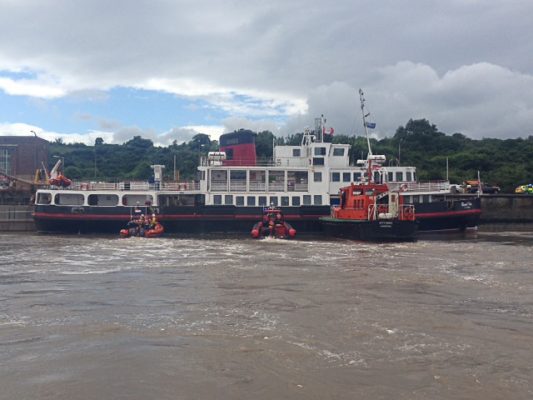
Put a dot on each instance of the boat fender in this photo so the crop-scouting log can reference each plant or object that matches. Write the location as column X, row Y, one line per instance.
column 292, row 232
column 255, row 233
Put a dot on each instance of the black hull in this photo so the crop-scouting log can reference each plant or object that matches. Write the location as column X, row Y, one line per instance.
column 202, row 219
column 370, row 230
column 446, row 216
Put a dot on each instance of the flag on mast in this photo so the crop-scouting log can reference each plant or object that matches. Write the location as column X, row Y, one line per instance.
column 370, row 125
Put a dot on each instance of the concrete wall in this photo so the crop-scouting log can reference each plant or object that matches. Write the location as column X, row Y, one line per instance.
column 16, row 218
column 506, row 209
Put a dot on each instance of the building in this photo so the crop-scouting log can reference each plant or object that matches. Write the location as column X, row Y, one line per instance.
column 21, row 156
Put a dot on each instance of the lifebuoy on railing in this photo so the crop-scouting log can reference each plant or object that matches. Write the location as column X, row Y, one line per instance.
column 84, row 186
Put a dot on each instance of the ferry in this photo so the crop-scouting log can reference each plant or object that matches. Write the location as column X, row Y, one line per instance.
column 233, row 187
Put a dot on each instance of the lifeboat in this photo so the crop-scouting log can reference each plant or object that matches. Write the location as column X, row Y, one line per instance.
column 273, row 225
column 142, row 228
column 371, row 212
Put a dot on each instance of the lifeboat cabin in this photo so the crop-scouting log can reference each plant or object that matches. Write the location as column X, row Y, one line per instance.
column 371, row 211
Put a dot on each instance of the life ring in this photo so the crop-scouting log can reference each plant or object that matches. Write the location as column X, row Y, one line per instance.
column 84, row 186
column 403, row 187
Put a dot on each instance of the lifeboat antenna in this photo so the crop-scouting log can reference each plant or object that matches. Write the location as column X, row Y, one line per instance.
column 365, row 124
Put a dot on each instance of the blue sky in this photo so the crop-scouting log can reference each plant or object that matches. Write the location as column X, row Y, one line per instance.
column 168, row 70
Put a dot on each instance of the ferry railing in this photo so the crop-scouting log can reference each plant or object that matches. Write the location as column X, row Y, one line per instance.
column 133, row 186
column 430, row 186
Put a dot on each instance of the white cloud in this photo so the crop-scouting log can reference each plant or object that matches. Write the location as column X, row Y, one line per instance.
column 464, row 65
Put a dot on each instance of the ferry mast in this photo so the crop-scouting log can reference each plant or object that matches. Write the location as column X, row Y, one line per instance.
column 365, row 114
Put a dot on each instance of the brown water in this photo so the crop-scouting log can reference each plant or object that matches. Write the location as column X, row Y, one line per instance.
column 85, row 317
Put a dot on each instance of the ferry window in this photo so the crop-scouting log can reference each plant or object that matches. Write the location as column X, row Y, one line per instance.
column 307, row 200
column 137, row 200
column 69, row 199
column 44, row 198
column 338, row 152
column 336, row 176
column 219, row 180
column 317, row 199
column 346, row 176
column 414, row 176
column 317, row 176
column 390, row 176
column 250, row 200
column 257, row 181
column 238, row 180
column 229, row 154
column 276, row 181
column 399, row 176
column 263, row 201
column 356, row 176
column 377, row 177
column 228, row 199
column 295, row 200
column 296, row 152
column 297, row 181
column 239, row 200
column 273, row 201
column 320, row 151
column 217, row 199
column 416, row 199
column 409, row 177
column 102, row 200
column 425, row 198
column 285, row 201
column 318, row 161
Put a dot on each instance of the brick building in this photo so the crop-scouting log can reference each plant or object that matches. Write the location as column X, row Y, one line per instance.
column 21, row 156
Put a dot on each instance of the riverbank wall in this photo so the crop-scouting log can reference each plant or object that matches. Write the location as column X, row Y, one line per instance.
column 506, row 212
column 16, row 218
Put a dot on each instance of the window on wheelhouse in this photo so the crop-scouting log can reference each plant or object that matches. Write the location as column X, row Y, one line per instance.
column 317, row 176
column 390, row 176
column 274, row 201
column 263, row 201
column 296, row 152
column 399, row 176
column 338, row 152
column 409, row 176
column 307, row 200
column 217, row 199
column 284, row 201
column 318, row 161
column 346, row 176
column 237, row 180
column 228, row 199
column 239, row 200
column 335, row 177
column 295, row 200
column 219, row 180
column 44, row 198
column 317, row 199
column 377, row 177
column 69, row 199
column 250, row 200
column 320, row 151
column 357, row 177
column 103, row 200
